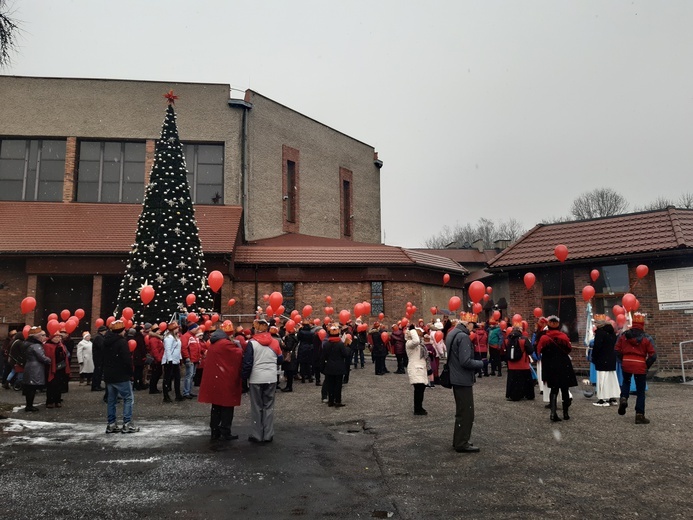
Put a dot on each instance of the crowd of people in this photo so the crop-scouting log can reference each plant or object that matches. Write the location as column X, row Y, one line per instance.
column 226, row 361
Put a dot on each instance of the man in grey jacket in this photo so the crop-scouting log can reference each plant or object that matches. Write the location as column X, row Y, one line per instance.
column 462, row 367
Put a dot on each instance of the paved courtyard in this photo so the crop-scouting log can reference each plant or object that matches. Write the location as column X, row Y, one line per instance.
column 371, row 459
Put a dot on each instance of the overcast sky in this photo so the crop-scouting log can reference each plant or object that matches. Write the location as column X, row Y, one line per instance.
column 492, row 109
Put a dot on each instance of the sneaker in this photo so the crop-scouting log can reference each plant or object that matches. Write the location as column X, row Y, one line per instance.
column 601, row 402
column 130, row 428
column 113, row 428
column 613, row 402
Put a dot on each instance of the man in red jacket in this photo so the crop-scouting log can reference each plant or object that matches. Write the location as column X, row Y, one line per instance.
column 636, row 351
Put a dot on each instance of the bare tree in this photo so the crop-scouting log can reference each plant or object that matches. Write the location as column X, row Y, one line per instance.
column 659, row 203
column 485, row 229
column 8, row 34
column 685, row 200
column 600, row 202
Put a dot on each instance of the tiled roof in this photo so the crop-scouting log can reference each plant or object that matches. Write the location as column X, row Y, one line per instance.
column 55, row 227
column 634, row 233
column 464, row 256
column 307, row 250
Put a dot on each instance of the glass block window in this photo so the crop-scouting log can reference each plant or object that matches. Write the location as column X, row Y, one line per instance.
column 377, row 300
column 32, row 169
column 111, row 171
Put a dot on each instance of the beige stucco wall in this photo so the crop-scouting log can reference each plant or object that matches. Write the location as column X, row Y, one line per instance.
column 120, row 109
column 323, row 151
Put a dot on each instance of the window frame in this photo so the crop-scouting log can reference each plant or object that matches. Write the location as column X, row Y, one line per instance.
column 377, row 298
column 194, row 161
column 121, row 175
column 35, row 172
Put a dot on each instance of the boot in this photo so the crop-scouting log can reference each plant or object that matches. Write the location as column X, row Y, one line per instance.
column 641, row 419
column 566, row 405
column 167, row 398
column 622, row 405
column 552, row 401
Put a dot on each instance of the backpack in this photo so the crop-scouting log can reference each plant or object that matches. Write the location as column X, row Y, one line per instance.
column 18, row 352
column 515, row 348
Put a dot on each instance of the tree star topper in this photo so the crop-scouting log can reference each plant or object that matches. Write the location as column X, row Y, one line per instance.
column 171, row 97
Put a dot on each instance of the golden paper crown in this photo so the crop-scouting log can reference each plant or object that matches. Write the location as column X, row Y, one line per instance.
column 468, row 317
column 599, row 317
column 639, row 317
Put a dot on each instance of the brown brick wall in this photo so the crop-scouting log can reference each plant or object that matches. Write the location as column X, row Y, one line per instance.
column 14, row 290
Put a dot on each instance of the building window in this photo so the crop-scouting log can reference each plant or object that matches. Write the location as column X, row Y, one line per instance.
column 32, row 169
column 289, row 293
column 611, row 285
column 377, row 300
column 291, row 172
column 205, row 163
column 346, row 202
column 558, row 298
column 110, row 171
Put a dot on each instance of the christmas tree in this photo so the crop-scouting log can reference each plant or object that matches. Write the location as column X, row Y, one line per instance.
column 167, row 253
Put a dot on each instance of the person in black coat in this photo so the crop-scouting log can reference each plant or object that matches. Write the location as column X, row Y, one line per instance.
column 117, row 372
column 379, row 351
column 332, row 361
column 97, row 352
column 557, row 368
column 290, row 363
column 305, row 351
column 604, row 360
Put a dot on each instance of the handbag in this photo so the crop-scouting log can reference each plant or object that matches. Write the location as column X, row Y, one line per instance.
column 60, row 366
column 445, row 377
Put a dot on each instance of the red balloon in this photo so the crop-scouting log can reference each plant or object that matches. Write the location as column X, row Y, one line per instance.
column 25, row 331
column 489, row 290
column 215, row 280
column 146, row 295
column 52, row 316
column 385, row 337
column 265, row 297
column 215, row 318
column 477, row 308
column 476, row 291
column 487, row 297
column 208, row 324
column 414, row 309
column 538, row 312
column 472, row 336
column 80, row 313
column 587, row 292
column 295, row 315
column 276, row 299
column 280, row 310
column 517, row 318
column 362, row 328
column 327, row 320
column 128, row 324
column 404, row 322
column 503, row 325
column 344, row 316
column 617, row 309
column 70, row 326
column 269, row 311
column 190, row 299
column 381, row 316
column 367, row 308
column 110, row 320
column 28, row 304
column 594, row 274
column 454, row 303
column 636, row 305
column 132, row 344
column 621, row 320
column 496, row 315
column 446, row 278
column 53, row 326
column 307, row 311
column 628, row 301
column 409, row 304
column 434, row 310
column 329, row 310
column 322, row 334
column 358, row 310
column 64, row 314
column 316, row 321
column 561, row 252
column 128, row 313
column 328, row 299
column 98, row 323
column 438, row 335
column 641, row 271
column 529, row 280
column 290, row 326
column 192, row 317
column 163, row 326
column 232, row 302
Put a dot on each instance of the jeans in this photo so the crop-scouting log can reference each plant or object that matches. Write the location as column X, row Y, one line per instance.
column 172, row 373
column 190, row 368
column 359, row 352
column 640, row 384
column 124, row 390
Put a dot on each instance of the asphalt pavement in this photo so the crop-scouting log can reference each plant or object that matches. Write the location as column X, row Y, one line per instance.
column 372, row 458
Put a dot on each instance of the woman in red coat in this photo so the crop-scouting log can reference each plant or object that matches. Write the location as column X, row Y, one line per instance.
column 156, row 350
column 221, row 381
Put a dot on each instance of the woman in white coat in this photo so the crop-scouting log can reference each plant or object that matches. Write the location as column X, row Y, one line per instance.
column 85, row 358
column 418, row 368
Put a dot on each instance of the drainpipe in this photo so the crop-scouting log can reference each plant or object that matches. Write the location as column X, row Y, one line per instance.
column 245, row 106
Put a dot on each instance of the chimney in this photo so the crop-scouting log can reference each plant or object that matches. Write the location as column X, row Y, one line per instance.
column 479, row 245
column 499, row 245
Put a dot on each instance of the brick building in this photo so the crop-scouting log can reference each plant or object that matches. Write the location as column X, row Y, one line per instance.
column 283, row 202
column 615, row 246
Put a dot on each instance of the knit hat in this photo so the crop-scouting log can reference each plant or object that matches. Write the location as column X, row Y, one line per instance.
column 192, row 327
column 554, row 321
column 117, row 326
column 102, row 328
column 86, row 333
column 147, row 326
column 438, row 325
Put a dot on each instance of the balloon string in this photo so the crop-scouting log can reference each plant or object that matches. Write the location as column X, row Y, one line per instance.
column 633, row 286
